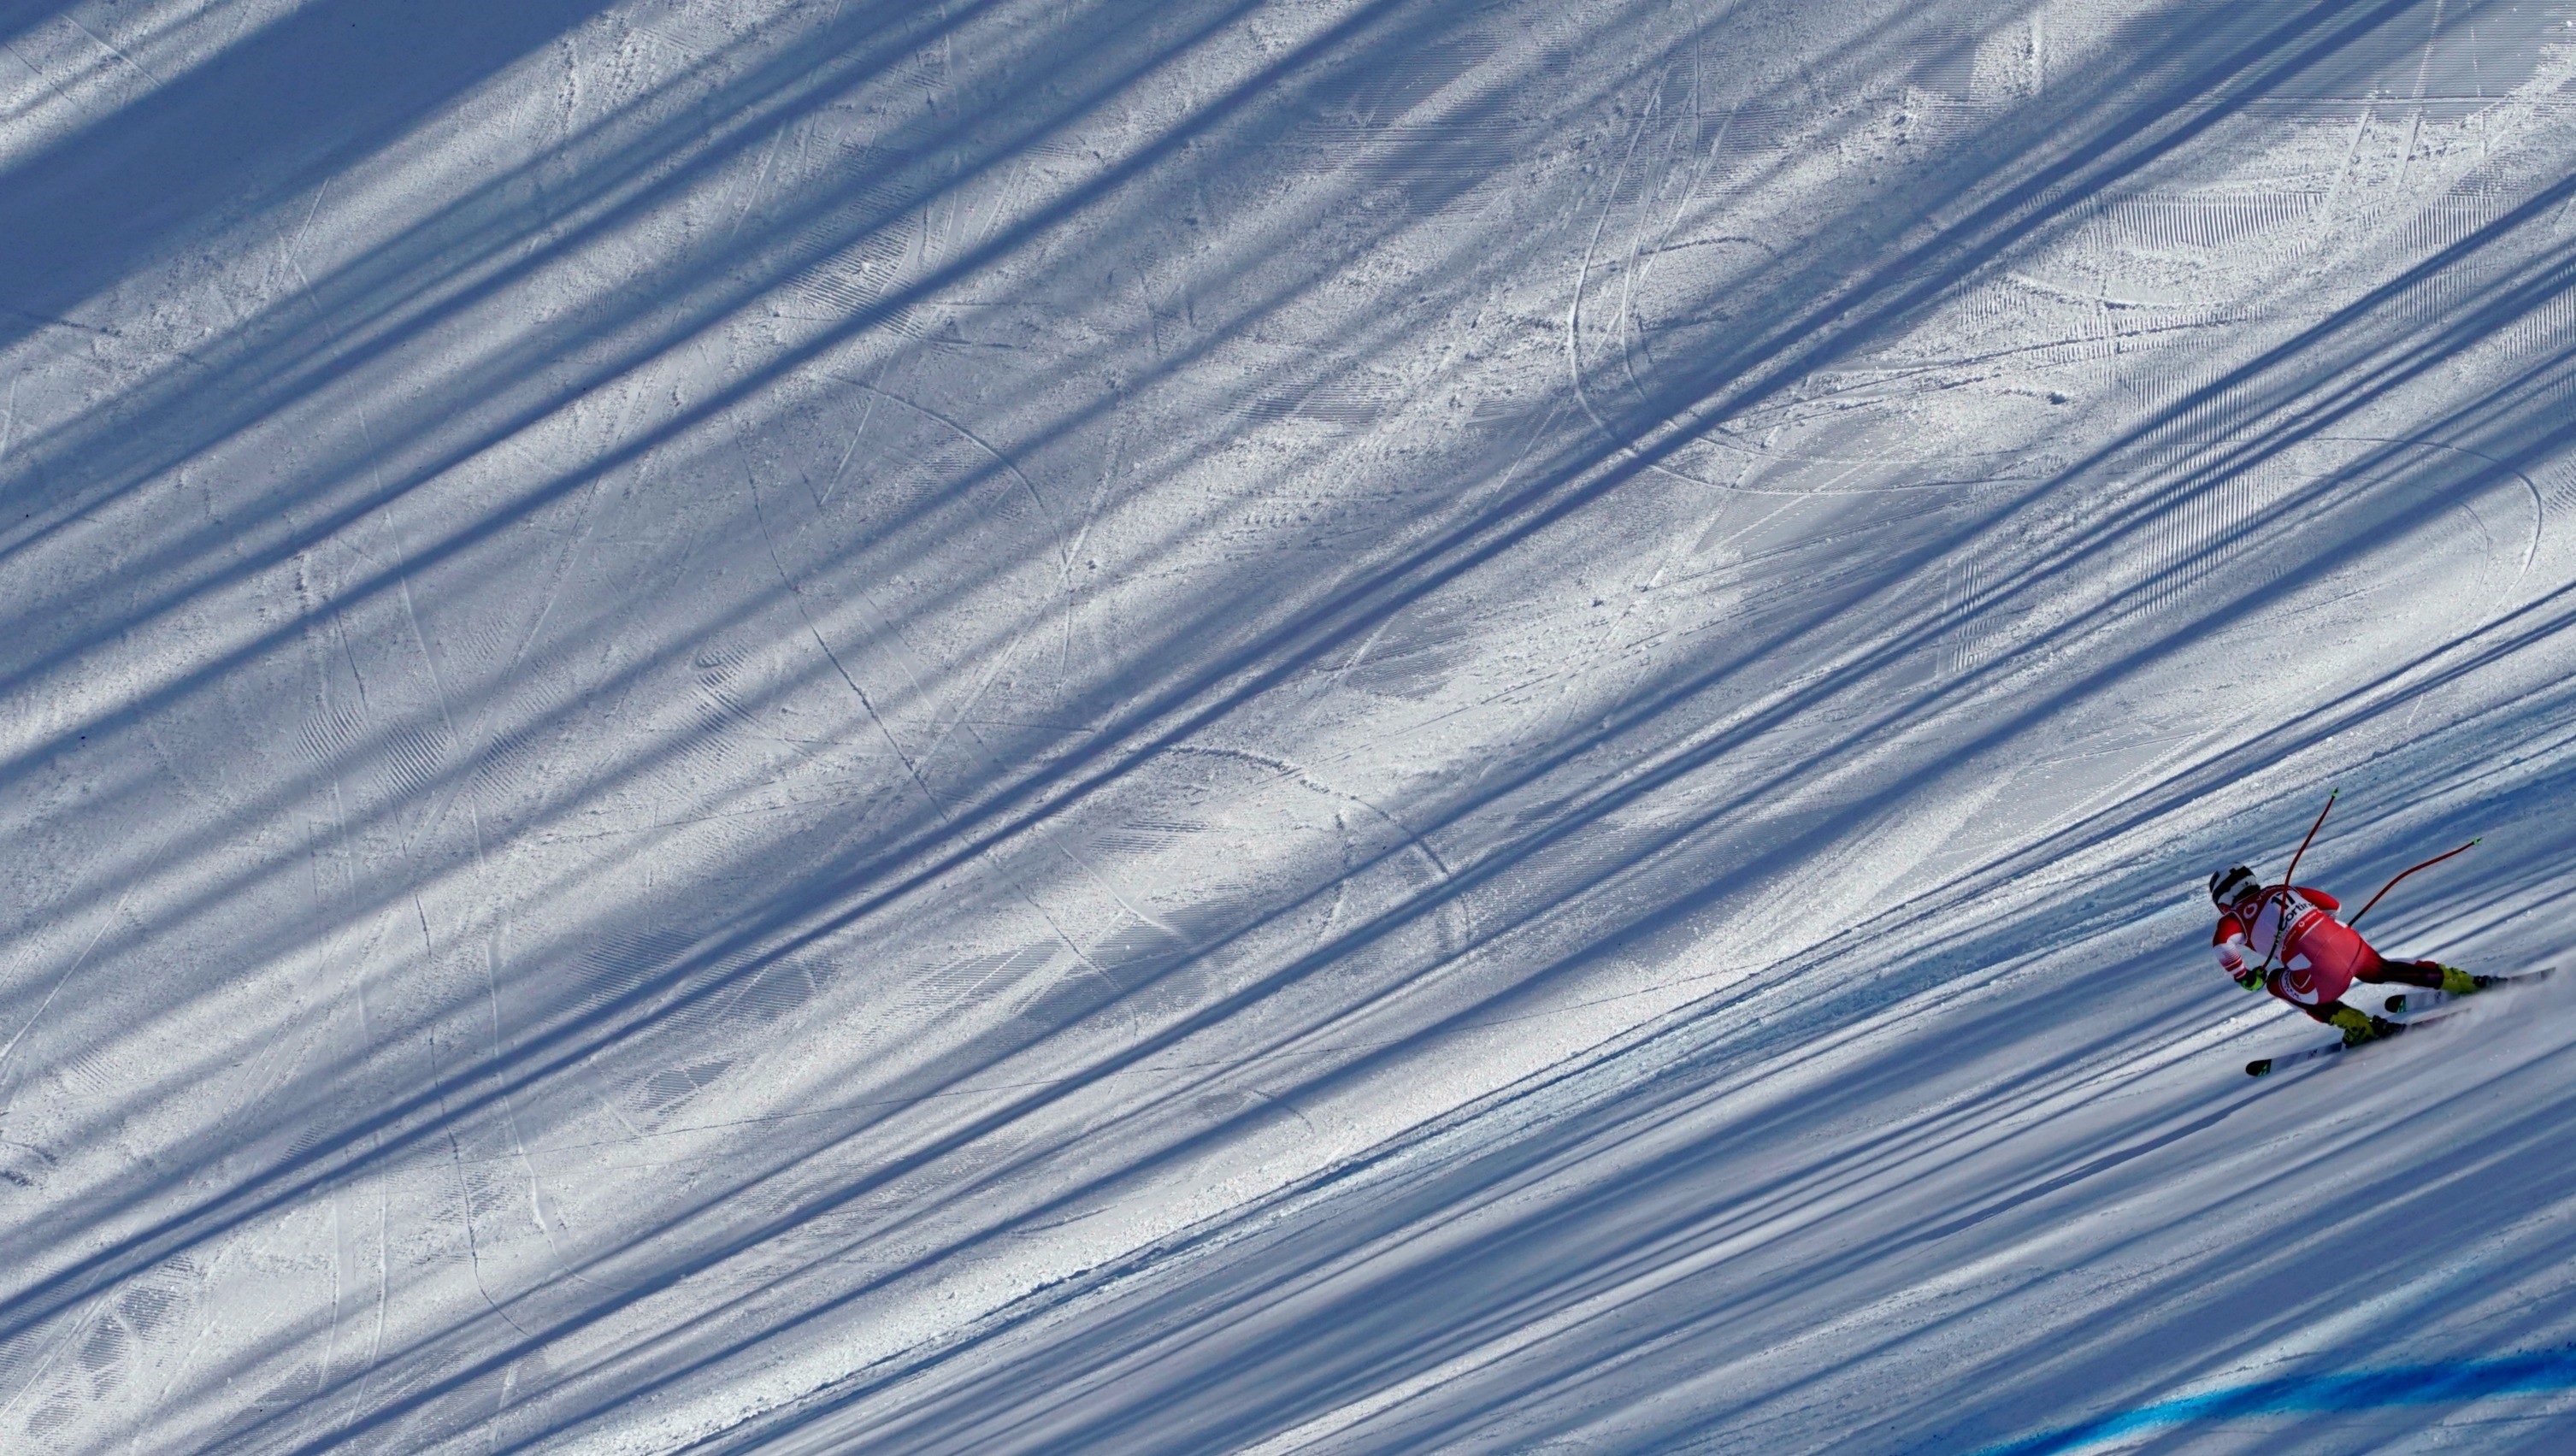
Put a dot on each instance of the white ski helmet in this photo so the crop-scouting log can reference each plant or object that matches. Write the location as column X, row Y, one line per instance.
column 2231, row 884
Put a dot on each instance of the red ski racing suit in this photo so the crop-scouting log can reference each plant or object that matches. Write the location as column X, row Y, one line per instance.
column 2316, row 957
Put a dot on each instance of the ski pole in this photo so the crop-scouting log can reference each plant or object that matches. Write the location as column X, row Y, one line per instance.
column 2401, row 874
column 2283, row 928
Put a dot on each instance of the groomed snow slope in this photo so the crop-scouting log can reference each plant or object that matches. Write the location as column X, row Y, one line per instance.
column 1140, row 726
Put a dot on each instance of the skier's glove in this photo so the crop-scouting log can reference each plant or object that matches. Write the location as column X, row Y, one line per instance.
column 2250, row 978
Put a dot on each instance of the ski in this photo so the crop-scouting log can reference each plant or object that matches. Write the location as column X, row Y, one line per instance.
column 2265, row 1066
column 2428, row 1000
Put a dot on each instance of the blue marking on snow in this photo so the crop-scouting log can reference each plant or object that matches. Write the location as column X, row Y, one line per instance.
column 2402, row 1386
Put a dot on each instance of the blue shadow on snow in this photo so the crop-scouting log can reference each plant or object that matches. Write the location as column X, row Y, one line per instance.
column 2406, row 1385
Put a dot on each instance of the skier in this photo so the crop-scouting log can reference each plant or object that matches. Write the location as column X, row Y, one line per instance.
column 2316, row 957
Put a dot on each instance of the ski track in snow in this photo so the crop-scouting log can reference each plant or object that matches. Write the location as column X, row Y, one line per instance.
column 1301, row 726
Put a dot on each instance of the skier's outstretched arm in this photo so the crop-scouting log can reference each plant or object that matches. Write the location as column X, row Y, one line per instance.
column 2235, row 956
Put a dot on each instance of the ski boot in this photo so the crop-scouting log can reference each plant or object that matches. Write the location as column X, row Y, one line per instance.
column 2455, row 984
column 2358, row 1027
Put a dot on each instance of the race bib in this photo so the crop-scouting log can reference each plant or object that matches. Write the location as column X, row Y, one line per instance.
column 2278, row 922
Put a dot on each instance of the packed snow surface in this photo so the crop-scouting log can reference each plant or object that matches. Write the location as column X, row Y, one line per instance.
column 1157, row 726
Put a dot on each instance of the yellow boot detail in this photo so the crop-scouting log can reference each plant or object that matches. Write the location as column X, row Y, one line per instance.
column 2356, row 1028
column 2457, row 982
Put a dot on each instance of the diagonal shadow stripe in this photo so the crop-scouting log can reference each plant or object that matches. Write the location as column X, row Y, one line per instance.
column 2404, row 1385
